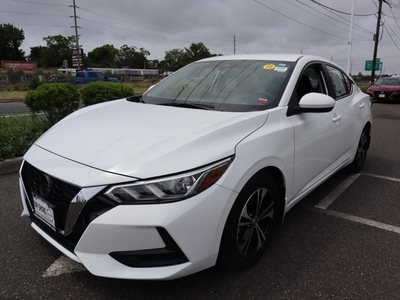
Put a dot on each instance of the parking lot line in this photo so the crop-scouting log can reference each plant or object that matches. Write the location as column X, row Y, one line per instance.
column 382, row 177
column 63, row 265
column 328, row 200
column 364, row 221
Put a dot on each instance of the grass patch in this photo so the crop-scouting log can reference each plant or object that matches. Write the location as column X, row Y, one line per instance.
column 17, row 134
column 12, row 95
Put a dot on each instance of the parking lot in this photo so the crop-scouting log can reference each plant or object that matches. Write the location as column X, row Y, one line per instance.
column 341, row 242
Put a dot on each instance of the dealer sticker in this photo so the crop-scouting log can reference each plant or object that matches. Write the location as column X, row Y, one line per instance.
column 44, row 211
column 269, row 67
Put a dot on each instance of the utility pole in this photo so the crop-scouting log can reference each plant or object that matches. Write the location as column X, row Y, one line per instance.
column 234, row 44
column 78, row 50
column 378, row 26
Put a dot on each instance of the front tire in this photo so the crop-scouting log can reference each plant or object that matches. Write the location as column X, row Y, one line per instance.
column 250, row 223
column 361, row 154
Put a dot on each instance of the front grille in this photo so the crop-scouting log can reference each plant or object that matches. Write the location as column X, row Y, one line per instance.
column 387, row 95
column 60, row 195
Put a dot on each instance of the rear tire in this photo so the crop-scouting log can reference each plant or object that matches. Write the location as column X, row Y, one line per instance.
column 250, row 223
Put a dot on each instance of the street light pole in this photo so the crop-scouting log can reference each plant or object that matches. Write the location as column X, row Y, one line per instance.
column 350, row 38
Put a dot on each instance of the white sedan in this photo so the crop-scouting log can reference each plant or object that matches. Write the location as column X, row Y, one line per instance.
column 199, row 170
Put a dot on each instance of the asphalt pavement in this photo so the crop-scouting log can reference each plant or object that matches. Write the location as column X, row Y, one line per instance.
column 341, row 242
column 13, row 108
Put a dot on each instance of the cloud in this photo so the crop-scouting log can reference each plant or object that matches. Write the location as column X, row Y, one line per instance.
column 292, row 26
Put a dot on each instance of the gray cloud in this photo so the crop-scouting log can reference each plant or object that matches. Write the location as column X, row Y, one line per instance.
column 158, row 26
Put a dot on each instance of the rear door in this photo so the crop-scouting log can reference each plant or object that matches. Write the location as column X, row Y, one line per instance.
column 352, row 109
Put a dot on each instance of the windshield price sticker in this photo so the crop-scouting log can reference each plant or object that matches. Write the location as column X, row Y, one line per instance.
column 44, row 211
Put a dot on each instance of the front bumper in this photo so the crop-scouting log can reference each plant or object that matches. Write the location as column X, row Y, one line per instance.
column 171, row 240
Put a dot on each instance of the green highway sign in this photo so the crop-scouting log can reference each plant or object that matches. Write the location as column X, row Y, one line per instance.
column 368, row 65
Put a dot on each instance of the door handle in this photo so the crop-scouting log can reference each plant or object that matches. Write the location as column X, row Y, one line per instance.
column 337, row 118
column 361, row 105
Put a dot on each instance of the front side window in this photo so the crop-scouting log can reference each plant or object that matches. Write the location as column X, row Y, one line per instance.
column 311, row 81
column 341, row 84
column 235, row 85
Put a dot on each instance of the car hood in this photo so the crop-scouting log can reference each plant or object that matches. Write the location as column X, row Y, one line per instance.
column 384, row 88
column 144, row 140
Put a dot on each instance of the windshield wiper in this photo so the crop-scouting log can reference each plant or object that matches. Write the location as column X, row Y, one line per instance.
column 189, row 105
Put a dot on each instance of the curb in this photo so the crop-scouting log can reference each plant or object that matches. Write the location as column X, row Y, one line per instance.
column 10, row 165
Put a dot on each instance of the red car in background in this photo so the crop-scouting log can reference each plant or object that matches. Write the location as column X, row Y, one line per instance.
column 385, row 89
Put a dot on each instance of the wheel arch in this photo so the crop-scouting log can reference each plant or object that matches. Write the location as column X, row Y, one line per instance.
column 278, row 176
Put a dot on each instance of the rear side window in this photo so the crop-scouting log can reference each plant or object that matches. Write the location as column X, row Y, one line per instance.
column 340, row 81
column 80, row 74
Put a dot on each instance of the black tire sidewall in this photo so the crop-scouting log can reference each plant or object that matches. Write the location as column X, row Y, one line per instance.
column 229, row 256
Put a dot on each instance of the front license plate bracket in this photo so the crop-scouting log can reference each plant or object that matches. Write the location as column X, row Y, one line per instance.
column 44, row 211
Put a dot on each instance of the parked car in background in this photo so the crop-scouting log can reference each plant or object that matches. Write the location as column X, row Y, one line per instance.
column 199, row 170
column 91, row 76
column 385, row 89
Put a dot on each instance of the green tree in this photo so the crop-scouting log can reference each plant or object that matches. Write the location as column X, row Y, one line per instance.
column 11, row 39
column 103, row 57
column 197, row 51
column 35, row 55
column 174, row 59
column 129, row 57
column 58, row 48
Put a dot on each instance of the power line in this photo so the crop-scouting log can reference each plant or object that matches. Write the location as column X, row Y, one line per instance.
column 334, row 24
column 34, row 14
column 339, row 11
column 262, row 4
column 96, row 4
column 386, row 23
column 391, row 37
column 395, row 19
column 42, row 3
column 358, row 27
column 140, row 25
column 136, row 32
column 42, row 25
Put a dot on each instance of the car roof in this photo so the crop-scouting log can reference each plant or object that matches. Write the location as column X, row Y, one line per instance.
column 267, row 56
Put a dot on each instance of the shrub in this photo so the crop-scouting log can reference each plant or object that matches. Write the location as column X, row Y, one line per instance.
column 56, row 100
column 97, row 92
column 17, row 134
column 35, row 82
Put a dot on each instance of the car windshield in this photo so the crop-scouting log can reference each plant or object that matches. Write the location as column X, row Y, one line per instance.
column 388, row 81
column 229, row 85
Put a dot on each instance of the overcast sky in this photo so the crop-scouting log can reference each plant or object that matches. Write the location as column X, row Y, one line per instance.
column 285, row 26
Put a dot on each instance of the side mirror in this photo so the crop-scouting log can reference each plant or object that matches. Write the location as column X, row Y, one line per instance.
column 316, row 102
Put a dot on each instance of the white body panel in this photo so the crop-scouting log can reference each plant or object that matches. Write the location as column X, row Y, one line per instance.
column 122, row 142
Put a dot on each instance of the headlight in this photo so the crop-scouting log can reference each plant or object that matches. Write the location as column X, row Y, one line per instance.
column 171, row 188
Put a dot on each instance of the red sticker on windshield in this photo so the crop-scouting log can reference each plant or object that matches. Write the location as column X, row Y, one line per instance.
column 262, row 101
